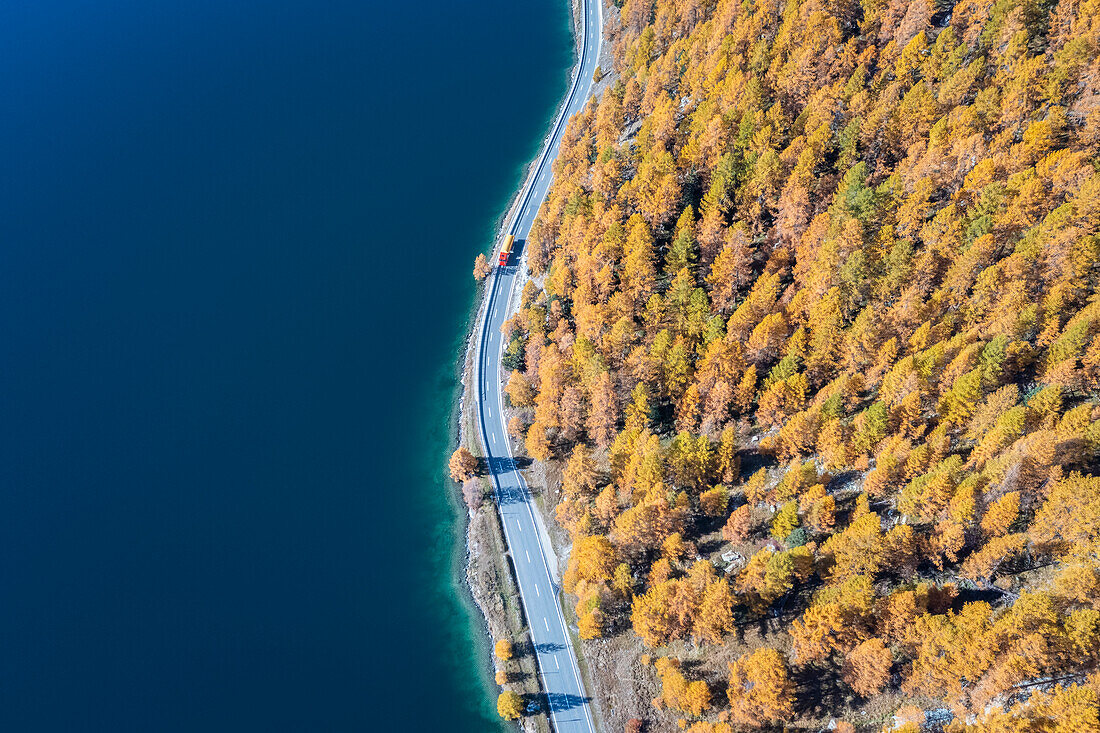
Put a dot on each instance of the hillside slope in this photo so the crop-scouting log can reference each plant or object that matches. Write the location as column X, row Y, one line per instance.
column 812, row 332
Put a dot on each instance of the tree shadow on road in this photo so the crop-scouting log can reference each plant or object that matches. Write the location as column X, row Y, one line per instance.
column 549, row 648
column 559, row 702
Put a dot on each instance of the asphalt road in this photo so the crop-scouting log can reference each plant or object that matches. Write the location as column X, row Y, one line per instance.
column 561, row 680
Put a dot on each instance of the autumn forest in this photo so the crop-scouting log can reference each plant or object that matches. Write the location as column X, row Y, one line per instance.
column 811, row 335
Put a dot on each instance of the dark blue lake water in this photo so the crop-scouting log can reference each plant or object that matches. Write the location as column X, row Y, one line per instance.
column 235, row 244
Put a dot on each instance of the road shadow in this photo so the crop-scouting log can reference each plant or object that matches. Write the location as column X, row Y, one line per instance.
column 511, row 495
column 549, row 647
column 560, row 701
column 500, row 464
column 517, row 250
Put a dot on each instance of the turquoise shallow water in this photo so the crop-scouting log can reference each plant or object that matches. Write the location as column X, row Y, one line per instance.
column 235, row 243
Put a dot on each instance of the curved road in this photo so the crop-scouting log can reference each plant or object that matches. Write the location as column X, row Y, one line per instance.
column 561, row 680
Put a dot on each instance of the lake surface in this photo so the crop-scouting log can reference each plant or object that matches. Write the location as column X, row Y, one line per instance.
column 235, row 245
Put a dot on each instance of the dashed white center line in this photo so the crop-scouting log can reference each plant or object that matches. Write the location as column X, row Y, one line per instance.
column 528, row 554
column 537, row 591
column 489, row 410
column 494, row 437
column 556, row 666
column 544, row 623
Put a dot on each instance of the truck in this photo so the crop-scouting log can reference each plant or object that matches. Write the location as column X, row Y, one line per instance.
column 506, row 249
